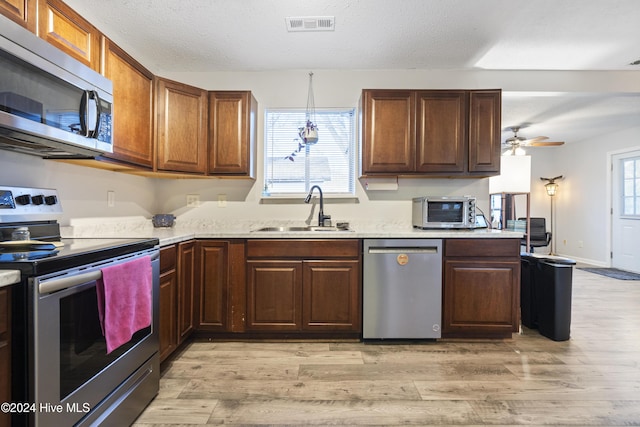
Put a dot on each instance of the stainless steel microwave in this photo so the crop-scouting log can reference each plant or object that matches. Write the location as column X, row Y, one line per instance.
column 51, row 105
column 444, row 212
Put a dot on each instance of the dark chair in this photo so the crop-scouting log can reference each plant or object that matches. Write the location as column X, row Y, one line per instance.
column 540, row 237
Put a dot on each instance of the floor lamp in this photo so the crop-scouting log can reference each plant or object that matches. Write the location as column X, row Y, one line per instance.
column 552, row 188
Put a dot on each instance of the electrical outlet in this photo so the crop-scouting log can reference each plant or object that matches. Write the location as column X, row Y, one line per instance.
column 222, row 200
column 193, row 200
column 111, row 199
column 580, row 244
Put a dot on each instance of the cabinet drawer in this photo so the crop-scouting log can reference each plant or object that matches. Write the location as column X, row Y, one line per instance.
column 303, row 249
column 168, row 258
column 482, row 248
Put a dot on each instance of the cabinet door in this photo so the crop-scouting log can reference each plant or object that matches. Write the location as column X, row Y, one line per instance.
column 22, row 12
column 389, row 135
column 441, row 128
column 212, row 262
column 181, row 138
column 132, row 106
column 481, row 298
column 232, row 126
column 168, row 336
column 485, row 112
column 186, row 291
column 62, row 27
column 331, row 296
column 274, row 295
column 5, row 353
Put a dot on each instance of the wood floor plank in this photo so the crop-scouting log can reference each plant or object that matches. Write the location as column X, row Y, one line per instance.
column 552, row 390
column 278, row 412
column 391, row 371
column 300, row 390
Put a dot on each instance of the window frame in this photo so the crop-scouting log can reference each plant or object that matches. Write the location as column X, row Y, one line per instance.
column 267, row 191
column 633, row 183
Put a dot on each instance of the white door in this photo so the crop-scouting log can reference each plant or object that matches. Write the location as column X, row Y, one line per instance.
column 625, row 212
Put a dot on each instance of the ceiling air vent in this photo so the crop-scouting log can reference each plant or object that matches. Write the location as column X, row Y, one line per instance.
column 310, row 23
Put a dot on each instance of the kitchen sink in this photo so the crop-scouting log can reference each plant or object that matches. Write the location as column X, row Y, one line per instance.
column 300, row 229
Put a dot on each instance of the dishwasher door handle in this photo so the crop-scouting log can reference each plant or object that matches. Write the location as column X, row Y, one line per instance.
column 399, row 250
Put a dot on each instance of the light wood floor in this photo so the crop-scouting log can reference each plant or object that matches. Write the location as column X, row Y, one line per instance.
column 591, row 380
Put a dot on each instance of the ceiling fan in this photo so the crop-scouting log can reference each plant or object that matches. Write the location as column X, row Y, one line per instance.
column 516, row 142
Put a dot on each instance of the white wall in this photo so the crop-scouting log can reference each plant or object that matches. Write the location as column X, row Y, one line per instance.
column 82, row 190
column 582, row 220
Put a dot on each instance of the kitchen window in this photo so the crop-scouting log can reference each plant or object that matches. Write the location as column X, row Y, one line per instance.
column 291, row 168
column 631, row 187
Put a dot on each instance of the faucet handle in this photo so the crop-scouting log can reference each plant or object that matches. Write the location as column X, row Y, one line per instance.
column 326, row 221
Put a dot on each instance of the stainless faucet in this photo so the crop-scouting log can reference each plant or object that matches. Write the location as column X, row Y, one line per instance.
column 321, row 216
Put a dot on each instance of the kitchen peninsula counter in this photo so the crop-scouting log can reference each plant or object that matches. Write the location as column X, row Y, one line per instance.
column 9, row 277
column 246, row 230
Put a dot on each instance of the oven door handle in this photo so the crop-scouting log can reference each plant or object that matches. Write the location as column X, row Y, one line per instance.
column 76, row 280
column 68, row 282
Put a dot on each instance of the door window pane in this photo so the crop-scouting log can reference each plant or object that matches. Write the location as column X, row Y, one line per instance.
column 631, row 187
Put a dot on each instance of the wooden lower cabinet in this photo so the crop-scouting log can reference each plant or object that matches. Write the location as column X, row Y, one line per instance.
column 168, row 301
column 481, row 296
column 331, row 296
column 274, row 295
column 186, row 289
column 177, row 286
column 296, row 286
column 5, row 353
column 220, row 286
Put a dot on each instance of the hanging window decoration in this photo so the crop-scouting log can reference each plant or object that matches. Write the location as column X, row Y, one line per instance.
column 307, row 134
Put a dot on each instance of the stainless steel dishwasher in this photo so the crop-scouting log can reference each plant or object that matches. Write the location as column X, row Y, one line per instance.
column 402, row 288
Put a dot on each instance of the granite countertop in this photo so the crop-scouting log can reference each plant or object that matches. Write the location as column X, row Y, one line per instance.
column 9, row 277
column 211, row 229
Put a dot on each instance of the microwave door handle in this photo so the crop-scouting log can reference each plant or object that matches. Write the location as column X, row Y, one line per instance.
column 84, row 102
column 96, row 128
column 90, row 130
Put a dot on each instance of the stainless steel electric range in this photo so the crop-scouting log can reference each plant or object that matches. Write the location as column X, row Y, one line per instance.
column 62, row 373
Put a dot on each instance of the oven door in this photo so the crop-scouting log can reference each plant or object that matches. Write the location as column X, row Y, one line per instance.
column 72, row 371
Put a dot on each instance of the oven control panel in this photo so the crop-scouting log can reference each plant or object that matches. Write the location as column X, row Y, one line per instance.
column 29, row 201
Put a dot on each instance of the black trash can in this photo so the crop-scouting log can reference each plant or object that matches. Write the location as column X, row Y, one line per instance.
column 528, row 308
column 553, row 277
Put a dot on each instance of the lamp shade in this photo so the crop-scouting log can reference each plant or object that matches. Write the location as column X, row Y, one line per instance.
column 551, row 188
column 515, row 176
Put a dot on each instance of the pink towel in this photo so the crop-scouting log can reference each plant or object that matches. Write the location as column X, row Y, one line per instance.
column 124, row 300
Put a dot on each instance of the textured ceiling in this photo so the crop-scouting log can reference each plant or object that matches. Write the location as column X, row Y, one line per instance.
column 244, row 35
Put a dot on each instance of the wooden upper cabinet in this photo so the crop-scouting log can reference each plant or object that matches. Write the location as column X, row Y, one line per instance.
column 485, row 113
column 442, row 133
column 181, row 130
column 62, row 27
column 132, row 106
column 22, row 12
column 431, row 132
column 232, row 127
column 388, row 126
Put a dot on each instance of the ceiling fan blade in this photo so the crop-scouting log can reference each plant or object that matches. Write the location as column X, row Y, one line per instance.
column 545, row 143
column 538, row 138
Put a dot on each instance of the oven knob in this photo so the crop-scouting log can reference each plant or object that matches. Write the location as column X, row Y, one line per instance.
column 37, row 200
column 23, row 199
column 50, row 200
